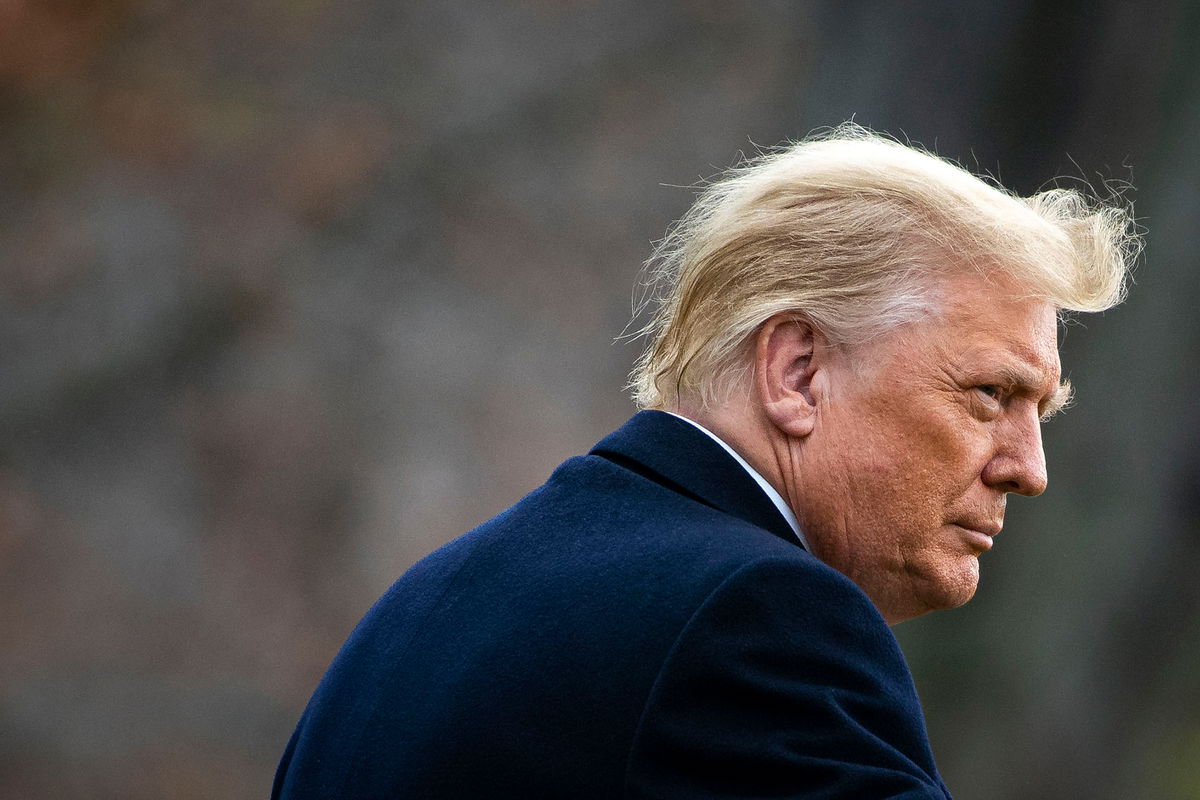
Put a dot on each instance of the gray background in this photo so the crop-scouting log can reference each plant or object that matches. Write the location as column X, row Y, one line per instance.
column 293, row 291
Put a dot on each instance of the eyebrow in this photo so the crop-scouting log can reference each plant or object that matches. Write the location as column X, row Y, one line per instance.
column 1025, row 379
column 1057, row 401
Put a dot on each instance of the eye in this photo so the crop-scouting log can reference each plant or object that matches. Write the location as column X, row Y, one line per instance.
column 993, row 392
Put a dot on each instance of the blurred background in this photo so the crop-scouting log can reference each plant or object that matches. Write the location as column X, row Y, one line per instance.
column 293, row 291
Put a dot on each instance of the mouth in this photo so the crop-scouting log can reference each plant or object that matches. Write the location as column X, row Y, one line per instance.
column 979, row 534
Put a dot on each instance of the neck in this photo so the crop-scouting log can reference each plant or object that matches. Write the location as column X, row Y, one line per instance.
column 748, row 431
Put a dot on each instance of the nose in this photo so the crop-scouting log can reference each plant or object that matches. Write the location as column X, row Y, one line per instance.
column 1018, row 463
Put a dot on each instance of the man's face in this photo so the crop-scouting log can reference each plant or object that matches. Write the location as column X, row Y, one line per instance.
column 920, row 435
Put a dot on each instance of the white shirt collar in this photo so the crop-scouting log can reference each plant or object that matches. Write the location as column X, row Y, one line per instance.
column 776, row 498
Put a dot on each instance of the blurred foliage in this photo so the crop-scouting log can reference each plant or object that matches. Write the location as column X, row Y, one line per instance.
column 293, row 291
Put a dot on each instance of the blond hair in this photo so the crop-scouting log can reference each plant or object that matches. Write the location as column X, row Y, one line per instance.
column 848, row 228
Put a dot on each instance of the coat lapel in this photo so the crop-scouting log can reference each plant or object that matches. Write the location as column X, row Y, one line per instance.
column 679, row 456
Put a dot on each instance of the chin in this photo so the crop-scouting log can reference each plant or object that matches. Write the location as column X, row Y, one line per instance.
column 951, row 587
column 932, row 591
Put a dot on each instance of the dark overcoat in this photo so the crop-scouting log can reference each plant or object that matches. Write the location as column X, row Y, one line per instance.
column 644, row 625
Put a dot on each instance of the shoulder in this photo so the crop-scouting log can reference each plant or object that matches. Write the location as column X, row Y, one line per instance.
column 803, row 611
column 785, row 676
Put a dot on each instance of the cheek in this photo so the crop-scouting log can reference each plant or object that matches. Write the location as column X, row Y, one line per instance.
column 944, row 452
column 888, row 476
column 906, row 475
column 889, row 493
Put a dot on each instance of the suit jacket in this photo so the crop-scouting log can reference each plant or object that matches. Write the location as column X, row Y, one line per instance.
column 643, row 625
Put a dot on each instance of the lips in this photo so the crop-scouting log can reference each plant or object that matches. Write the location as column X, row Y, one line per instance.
column 988, row 528
column 979, row 532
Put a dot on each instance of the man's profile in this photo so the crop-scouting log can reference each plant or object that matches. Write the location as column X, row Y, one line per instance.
column 853, row 346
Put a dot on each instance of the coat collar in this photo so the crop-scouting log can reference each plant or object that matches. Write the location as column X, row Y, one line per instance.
column 682, row 455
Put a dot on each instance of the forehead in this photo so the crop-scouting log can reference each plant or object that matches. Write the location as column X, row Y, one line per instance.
column 992, row 324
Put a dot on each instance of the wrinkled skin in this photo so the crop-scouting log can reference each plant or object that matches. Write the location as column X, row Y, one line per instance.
column 897, row 455
column 914, row 454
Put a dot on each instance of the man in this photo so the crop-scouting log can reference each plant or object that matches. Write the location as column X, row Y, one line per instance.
column 852, row 351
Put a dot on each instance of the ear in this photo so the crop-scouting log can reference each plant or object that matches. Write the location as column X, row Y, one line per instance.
column 784, row 367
